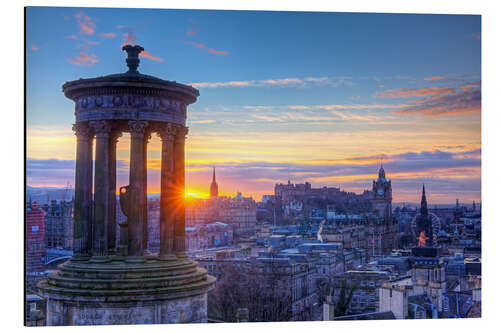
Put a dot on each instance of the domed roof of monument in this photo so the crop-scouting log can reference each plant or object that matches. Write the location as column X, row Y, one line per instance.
column 131, row 78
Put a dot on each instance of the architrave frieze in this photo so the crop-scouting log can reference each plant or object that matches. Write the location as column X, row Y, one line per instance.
column 149, row 108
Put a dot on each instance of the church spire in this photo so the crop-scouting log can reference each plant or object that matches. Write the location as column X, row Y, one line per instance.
column 381, row 173
column 423, row 203
column 214, row 188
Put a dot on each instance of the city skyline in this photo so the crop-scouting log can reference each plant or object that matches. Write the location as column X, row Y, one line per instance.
column 326, row 105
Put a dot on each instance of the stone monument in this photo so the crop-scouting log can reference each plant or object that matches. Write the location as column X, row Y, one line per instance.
column 109, row 282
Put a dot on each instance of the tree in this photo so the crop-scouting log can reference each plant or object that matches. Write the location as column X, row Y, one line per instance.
column 344, row 299
column 266, row 295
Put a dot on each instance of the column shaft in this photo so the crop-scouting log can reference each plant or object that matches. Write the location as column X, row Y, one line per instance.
column 167, row 196
column 179, row 181
column 101, row 188
column 136, row 244
column 145, row 191
column 83, row 192
column 112, row 192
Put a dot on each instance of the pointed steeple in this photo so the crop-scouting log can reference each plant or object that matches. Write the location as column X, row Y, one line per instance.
column 423, row 203
column 381, row 173
column 214, row 188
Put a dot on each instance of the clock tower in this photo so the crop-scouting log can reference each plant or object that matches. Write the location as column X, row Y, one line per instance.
column 382, row 195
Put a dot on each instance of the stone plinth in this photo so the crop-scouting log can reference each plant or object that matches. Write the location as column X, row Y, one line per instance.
column 121, row 292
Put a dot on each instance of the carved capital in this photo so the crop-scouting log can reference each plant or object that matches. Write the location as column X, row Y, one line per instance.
column 167, row 132
column 137, row 127
column 115, row 135
column 83, row 131
column 182, row 132
column 101, row 127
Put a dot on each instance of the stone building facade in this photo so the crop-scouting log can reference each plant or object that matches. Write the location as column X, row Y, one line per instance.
column 35, row 245
column 59, row 225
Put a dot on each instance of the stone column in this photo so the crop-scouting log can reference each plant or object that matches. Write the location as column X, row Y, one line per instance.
column 112, row 191
column 147, row 137
column 136, row 221
column 167, row 196
column 102, row 130
column 179, row 184
column 83, row 192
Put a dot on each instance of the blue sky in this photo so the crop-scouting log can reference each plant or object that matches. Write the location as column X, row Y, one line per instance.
column 293, row 89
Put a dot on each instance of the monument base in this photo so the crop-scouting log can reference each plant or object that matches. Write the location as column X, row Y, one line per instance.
column 123, row 292
column 191, row 309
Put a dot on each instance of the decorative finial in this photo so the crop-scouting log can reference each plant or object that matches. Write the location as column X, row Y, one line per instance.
column 132, row 57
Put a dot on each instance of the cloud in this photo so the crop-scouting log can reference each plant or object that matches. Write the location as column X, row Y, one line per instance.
column 434, row 78
column 193, row 29
column 211, row 50
column 465, row 98
column 72, row 37
column 129, row 38
column 412, row 92
column 108, row 34
column 284, row 82
column 85, row 23
column 198, row 45
column 34, row 47
column 463, row 101
column 84, row 59
column 207, row 121
column 147, row 54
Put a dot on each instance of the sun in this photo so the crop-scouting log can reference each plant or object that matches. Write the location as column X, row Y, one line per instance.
column 189, row 194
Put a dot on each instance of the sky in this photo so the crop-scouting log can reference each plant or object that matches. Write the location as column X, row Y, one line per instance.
column 300, row 96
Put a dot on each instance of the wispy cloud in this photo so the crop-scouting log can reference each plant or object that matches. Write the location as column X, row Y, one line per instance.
column 72, row 37
column 332, row 116
column 85, row 23
column 198, row 45
column 206, row 121
column 34, row 47
column 282, row 82
column 330, row 107
column 84, row 59
column 214, row 51
column 128, row 35
column 414, row 92
column 147, row 54
column 437, row 101
column 108, row 34
column 129, row 38
column 209, row 49
column 466, row 100
column 193, row 29
column 434, row 78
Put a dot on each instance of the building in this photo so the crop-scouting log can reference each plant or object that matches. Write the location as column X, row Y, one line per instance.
column 207, row 236
column 59, row 225
column 239, row 212
column 293, row 280
column 35, row 239
column 428, row 274
column 425, row 225
column 382, row 196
